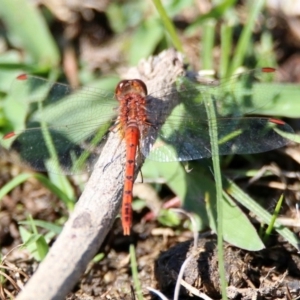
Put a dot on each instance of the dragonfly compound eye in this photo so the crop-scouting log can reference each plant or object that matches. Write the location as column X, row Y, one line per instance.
column 131, row 86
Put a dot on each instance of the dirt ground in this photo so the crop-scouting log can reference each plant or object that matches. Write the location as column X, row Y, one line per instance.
column 272, row 273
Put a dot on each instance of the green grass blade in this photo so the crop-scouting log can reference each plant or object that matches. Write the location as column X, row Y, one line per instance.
column 211, row 115
column 274, row 217
column 169, row 26
column 14, row 183
column 226, row 43
column 44, row 180
column 244, row 40
column 209, row 30
column 43, row 224
column 81, row 160
column 290, row 136
column 265, row 51
column 134, row 270
column 60, row 180
column 216, row 13
column 60, row 193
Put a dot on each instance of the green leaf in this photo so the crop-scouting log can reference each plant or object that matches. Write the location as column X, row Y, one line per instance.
column 168, row 218
column 173, row 174
column 238, row 230
column 41, row 247
column 34, row 243
column 97, row 258
column 27, row 29
column 233, row 190
column 279, row 99
column 10, row 68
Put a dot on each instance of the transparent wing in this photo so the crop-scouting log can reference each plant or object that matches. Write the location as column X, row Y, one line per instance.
column 189, row 139
column 65, row 126
column 183, row 132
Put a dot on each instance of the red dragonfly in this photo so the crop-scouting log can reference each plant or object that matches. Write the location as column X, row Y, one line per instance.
column 74, row 122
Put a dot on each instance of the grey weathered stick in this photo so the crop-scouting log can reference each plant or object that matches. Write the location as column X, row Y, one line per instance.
column 99, row 204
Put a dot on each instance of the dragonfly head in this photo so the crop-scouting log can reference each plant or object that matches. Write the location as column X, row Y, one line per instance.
column 135, row 86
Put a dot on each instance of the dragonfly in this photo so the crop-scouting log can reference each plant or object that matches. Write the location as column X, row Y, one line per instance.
column 66, row 127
